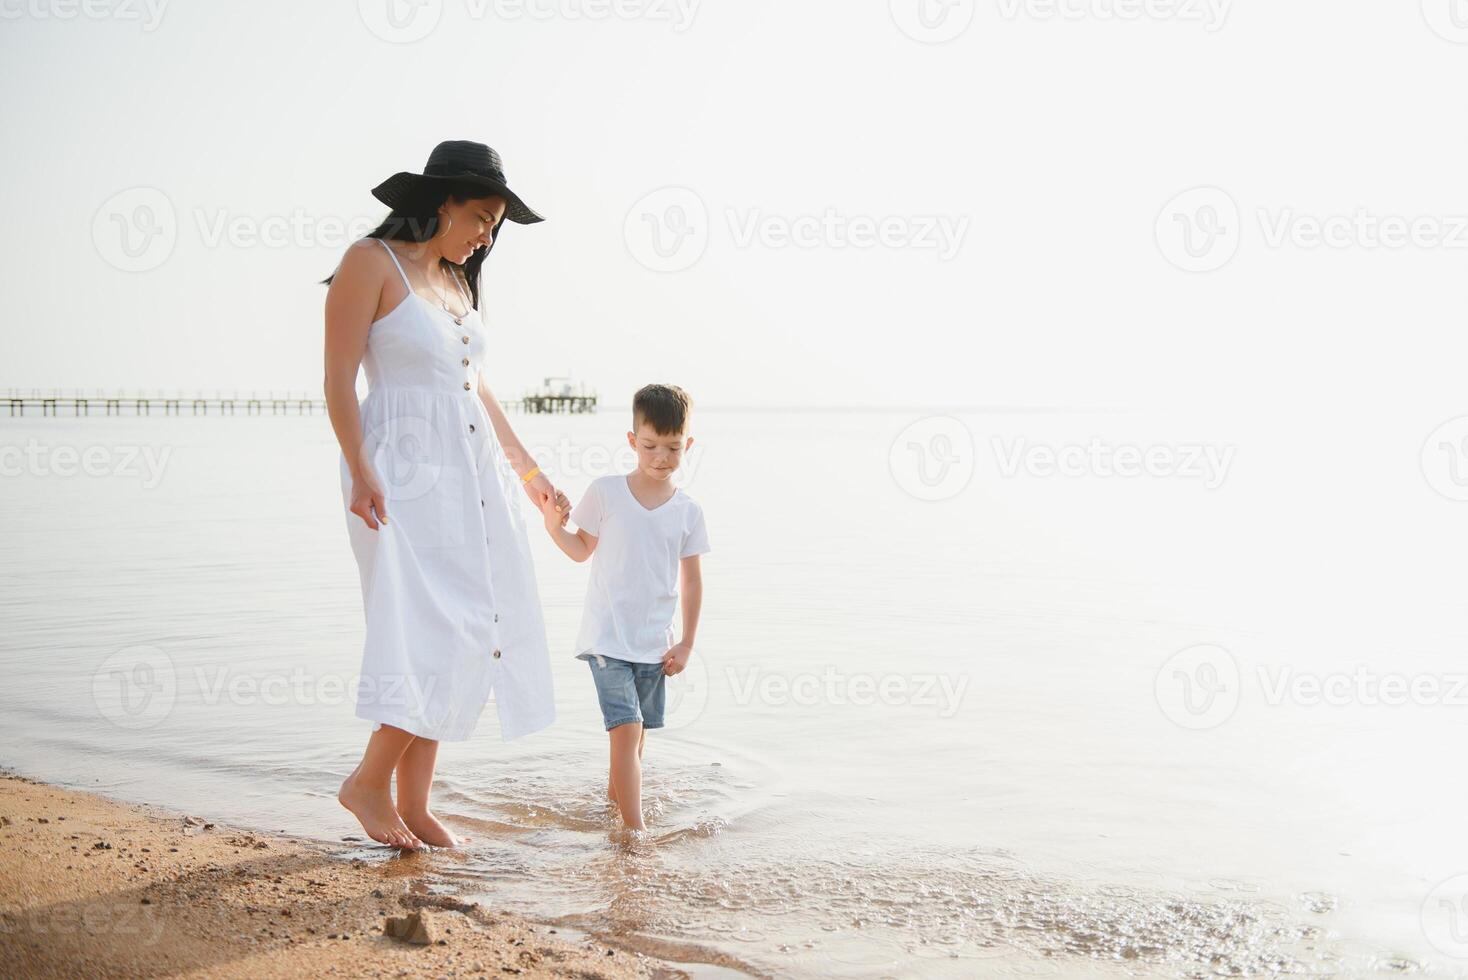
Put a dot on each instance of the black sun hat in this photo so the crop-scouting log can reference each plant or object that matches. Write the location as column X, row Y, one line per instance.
column 454, row 162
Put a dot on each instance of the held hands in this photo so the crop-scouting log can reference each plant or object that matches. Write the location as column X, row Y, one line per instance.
column 543, row 494
column 677, row 658
column 555, row 511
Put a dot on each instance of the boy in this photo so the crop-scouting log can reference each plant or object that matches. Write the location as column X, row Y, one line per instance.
column 644, row 531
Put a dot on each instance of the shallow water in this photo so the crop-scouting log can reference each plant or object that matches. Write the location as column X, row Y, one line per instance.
column 920, row 737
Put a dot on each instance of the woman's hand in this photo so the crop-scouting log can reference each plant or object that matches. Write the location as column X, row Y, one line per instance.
column 369, row 502
column 541, row 491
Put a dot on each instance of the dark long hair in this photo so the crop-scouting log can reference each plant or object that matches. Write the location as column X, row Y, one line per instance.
column 416, row 220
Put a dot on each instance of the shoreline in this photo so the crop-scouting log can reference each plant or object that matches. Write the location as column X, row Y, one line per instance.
column 95, row 886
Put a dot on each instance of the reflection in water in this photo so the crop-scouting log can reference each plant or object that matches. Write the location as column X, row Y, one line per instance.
column 1049, row 821
column 678, row 891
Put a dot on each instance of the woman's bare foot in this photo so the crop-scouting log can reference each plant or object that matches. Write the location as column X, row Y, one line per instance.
column 429, row 830
column 373, row 807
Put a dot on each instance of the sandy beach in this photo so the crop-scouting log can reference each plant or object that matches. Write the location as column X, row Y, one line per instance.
column 93, row 887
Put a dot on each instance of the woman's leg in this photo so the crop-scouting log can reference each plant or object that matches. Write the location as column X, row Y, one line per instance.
column 627, row 772
column 367, row 792
column 415, row 779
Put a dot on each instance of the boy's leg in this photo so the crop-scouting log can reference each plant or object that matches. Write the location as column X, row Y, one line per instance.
column 367, row 791
column 611, row 790
column 626, row 770
column 415, row 779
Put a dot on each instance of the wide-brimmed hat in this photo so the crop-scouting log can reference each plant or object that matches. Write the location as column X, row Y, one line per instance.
column 454, row 162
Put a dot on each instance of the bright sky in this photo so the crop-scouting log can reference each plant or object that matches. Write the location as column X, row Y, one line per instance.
column 990, row 220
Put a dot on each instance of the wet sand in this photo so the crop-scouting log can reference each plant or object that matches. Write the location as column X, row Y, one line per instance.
column 93, row 887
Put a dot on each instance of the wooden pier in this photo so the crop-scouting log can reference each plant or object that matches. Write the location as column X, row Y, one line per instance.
column 79, row 402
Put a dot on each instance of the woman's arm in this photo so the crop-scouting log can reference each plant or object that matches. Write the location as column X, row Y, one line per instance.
column 351, row 299
column 540, row 488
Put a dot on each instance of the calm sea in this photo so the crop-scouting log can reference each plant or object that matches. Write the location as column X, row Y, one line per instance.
column 1027, row 693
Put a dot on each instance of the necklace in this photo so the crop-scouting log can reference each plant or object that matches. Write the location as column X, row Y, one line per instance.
column 443, row 301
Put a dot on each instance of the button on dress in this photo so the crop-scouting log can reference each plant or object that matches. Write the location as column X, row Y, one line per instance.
column 448, row 585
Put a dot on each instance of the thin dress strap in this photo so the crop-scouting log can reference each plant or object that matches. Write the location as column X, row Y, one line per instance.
column 396, row 263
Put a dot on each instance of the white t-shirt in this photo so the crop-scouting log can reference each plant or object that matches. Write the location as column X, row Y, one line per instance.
column 633, row 592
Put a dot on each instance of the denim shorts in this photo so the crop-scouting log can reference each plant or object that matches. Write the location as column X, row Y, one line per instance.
column 628, row 691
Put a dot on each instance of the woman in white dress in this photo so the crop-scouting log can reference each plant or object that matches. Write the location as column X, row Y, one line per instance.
column 431, row 474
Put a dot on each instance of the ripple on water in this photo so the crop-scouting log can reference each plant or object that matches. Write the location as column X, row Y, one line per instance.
column 701, row 877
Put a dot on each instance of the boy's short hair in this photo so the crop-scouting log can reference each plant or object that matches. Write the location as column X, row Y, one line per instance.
column 664, row 407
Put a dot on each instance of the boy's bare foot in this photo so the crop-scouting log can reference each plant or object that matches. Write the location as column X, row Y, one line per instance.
column 373, row 807
column 428, row 829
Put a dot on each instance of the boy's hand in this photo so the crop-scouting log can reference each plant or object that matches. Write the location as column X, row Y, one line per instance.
column 556, row 511
column 676, row 658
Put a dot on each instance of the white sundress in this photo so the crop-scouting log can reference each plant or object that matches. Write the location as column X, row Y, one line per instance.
column 448, row 585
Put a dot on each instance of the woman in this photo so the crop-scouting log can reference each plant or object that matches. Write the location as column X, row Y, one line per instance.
column 429, row 471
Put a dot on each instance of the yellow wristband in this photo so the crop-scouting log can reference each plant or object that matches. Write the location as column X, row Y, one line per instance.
column 529, row 476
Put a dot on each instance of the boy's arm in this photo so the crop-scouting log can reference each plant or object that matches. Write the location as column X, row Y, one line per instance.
column 692, row 590
column 578, row 546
